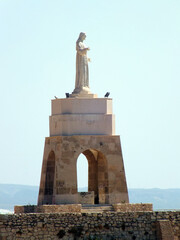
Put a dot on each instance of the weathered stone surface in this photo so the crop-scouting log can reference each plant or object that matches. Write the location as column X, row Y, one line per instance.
column 129, row 225
column 164, row 230
column 78, row 116
column 133, row 207
column 106, row 169
column 65, row 208
column 81, row 106
column 86, row 197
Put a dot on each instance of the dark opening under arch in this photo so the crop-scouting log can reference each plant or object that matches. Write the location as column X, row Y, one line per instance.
column 49, row 182
column 97, row 175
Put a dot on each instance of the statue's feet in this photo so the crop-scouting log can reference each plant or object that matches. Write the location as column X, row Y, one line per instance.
column 83, row 92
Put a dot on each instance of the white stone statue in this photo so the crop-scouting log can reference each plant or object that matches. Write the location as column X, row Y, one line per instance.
column 82, row 72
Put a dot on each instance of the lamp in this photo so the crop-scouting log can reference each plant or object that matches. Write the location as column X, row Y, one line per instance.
column 67, row 95
column 107, row 94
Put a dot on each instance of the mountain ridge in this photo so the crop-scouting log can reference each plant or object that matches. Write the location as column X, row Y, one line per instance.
column 16, row 194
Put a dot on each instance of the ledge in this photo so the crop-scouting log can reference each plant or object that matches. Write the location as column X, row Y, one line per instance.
column 62, row 208
column 133, row 207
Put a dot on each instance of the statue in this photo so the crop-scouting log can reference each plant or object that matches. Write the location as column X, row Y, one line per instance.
column 82, row 72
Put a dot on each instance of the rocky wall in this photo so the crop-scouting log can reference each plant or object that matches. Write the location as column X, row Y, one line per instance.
column 72, row 208
column 133, row 207
column 86, row 197
column 117, row 225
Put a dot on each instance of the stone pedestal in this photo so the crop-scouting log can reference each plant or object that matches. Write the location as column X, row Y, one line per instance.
column 82, row 116
column 106, row 176
column 87, row 126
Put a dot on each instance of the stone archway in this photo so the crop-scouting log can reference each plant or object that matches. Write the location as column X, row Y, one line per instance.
column 106, row 175
column 49, row 181
column 97, row 175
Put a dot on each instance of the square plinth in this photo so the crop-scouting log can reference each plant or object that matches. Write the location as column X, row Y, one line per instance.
column 82, row 116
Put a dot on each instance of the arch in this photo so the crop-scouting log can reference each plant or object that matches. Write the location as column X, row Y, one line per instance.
column 82, row 176
column 49, row 181
column 97, row 175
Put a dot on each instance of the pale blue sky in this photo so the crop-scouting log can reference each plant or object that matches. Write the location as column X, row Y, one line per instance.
column 135, row 53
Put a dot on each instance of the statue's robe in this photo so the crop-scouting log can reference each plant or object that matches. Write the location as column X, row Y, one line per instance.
column 82, row 72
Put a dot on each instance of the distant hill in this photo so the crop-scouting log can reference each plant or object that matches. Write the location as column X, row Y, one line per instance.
column 11, row 194
column 161, row 198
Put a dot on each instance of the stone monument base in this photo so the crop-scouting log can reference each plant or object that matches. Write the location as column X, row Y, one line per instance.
column 82, row 116
column 106, row 175
column 79, row 208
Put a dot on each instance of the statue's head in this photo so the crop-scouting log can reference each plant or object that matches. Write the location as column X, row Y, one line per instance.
column 82, row 36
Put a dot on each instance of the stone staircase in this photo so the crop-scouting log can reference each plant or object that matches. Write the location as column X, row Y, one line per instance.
column 96, row 208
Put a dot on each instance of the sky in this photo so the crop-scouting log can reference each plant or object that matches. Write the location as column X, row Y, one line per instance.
column 135, row 55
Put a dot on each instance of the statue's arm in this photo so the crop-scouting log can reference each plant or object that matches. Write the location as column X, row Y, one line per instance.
column 81, row 50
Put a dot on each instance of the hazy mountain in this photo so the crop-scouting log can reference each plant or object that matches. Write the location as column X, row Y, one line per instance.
column 11, row 194
column 161, row 198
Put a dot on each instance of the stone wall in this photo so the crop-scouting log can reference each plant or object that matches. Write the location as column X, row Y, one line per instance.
column 133, row 207
column 86, row 197
column 164, row 230
column 117, row 225
column 65, row 208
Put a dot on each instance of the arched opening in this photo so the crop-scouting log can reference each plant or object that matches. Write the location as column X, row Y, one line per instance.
column 91, row 155
column 97, row 175
column 49, row 182
column 82, row 173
